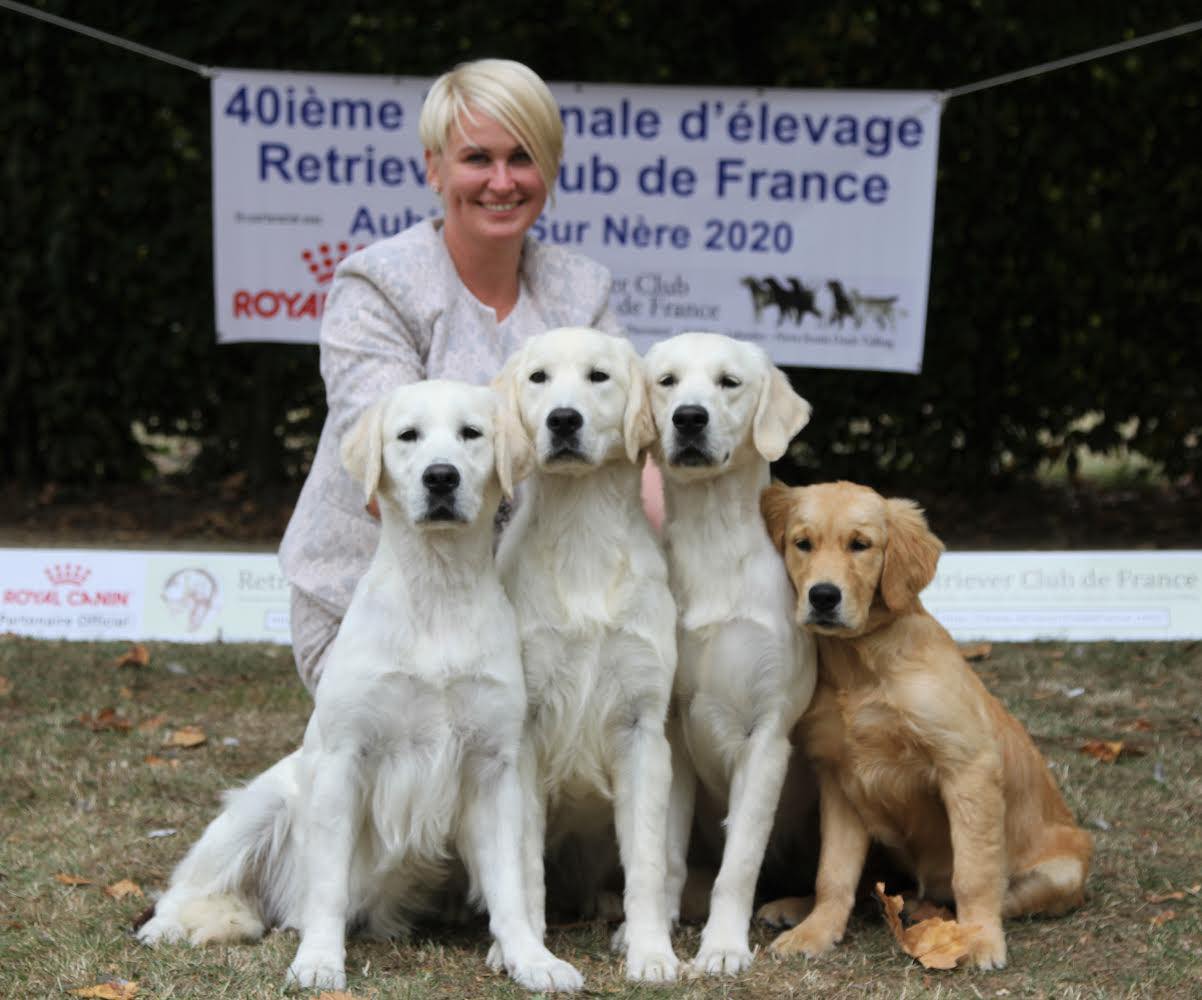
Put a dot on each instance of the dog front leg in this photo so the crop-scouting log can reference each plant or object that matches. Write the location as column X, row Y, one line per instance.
column 327, row 842
column 491, row 845
column 976, row 811
column 642, row 779
column 840, row 862
column 759, row 774
column 681, row 803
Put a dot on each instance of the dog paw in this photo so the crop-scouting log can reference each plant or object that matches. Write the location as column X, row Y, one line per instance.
column 495, row 959
column 617, row 940
column 161, row 930
column 808, row 938
column 787, row 912
column 547, row 975
column 316, row 971
column 652, row 965
column 721, row 960
column 989, row 949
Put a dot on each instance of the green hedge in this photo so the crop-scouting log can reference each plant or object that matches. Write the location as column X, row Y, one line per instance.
column 1068, row 232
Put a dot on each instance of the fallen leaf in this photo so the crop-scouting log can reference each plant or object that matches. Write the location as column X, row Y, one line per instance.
column 136, row 656
column 119, row 890
column 66, row 879
column 936, row 943
column 153, row 723
column 106, row 718
column 336, row 995
column 1140, row 725
column 976, row 650
column 1164, row 897
column 115, row 989
column 154, row 760
column 186, row 736
column 1164, row 918
column 6, row 687
column 1107, row 751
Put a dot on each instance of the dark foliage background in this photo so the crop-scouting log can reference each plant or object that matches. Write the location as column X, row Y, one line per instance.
column 1068, row 235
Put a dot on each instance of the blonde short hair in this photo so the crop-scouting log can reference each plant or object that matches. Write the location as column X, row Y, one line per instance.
column 508, row 91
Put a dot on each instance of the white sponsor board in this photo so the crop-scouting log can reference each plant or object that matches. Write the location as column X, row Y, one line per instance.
column 204, row 596
column 800, row 219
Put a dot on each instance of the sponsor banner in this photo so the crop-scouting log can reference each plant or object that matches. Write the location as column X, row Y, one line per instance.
column 209, row 596
column 799, row 219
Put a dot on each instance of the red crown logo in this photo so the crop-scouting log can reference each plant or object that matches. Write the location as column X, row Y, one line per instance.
column 323, row 259
column 71, row 573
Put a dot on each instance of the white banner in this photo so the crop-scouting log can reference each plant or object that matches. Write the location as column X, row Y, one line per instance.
column 800, row 219
column 209, row 596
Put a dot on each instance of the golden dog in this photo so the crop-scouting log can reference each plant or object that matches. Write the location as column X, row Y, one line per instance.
column 910, row 748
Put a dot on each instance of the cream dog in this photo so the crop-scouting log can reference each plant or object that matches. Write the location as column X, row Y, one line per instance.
column 910, row 748
column 589, row 584
column 723, row 411
column 412, row 751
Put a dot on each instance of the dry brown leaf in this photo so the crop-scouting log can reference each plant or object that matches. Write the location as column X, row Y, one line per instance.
column 119, row 890
column 336, row 995
column 1164, row 918
column 1164, row 897
column 1140, row 725
column 936, row 943
column 153, row 723
column 1107, row 751
column 66, row 879
column 106, row 718
column 136, row 656
column 154, row 760
column 115, row 989
column 186, row 736
column 976, row 650
column 6, row 687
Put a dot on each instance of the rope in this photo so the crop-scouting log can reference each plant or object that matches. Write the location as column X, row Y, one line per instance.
column 944, row 96
column 104, row 36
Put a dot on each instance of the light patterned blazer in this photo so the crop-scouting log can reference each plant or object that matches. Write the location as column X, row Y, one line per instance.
column 397, row 313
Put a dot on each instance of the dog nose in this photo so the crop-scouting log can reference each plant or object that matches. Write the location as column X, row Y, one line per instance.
column 690, row 419
column 440, row 478
column 563, row 420
column 825, row 596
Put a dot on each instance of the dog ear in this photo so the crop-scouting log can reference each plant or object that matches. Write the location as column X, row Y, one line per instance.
column 638, row 423
column 779, row 415
column 513, row 450
column 775, row 503
column 911, row 554
column 362, row 448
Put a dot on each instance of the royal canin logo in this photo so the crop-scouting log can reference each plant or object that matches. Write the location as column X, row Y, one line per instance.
column 67, row 590
column 321, row 262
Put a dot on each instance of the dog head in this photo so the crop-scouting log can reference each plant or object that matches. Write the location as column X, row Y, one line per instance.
column 716, row 399
column 440, row 453
column 855, row 558
column 581, row 398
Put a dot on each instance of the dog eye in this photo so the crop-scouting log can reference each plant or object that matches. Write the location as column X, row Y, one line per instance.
column 667, row 381
column 597, row 375
column 729, row 382
column 408, row 435
column 538, row 376
column 803, row 544
column 469, row 433
column 859, row 545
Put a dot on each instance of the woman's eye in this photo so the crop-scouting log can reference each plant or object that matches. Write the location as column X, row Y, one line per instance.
column 596, row 375
column 470, row 433
column 803, row 544
column 539, row 376
column 667, row 381
column 859, row 545
column 521, row 156
column 729, row 382
column 408, row 435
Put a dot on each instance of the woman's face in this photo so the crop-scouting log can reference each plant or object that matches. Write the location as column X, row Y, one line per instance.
column 491, row 188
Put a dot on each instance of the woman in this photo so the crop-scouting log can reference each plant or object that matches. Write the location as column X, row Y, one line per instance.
column 447, row 298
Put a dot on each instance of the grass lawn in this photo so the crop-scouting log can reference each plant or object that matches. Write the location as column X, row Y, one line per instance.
column 83, row 799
